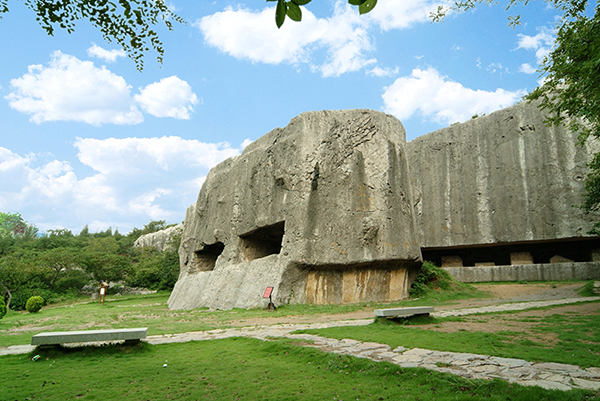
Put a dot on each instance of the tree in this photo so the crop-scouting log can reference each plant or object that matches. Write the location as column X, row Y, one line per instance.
column 571, row 92
column 15, row 272
column 130, row 23
column 11, row 225
column 57, row 261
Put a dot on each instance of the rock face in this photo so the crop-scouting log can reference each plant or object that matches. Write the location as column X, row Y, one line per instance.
column 160, row 239
column 322, row 210
column 501, row 178
column 337, row 208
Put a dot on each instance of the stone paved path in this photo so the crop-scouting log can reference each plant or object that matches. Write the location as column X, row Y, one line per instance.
column 548, row 375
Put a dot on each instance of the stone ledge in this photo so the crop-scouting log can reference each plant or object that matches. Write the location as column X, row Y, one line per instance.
column 394, row 312
column 84, row 336
column 532, row 272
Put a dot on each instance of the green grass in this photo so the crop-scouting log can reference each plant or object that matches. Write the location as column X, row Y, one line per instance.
column 238, row 369
column 588, row 290
column 151, row 311
column 578, row 337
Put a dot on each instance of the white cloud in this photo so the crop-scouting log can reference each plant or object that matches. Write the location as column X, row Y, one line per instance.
column 541, row 43
column 383, row 72
column 401, row 14
column 68, row 89
column 527, row 68
column 110, row 56
column 246, row 142
column 133, row 179
column 437, row 98
column 133, row 156
column 495, row 67
column 253, row 36
column 171, row 97
column 345, row 37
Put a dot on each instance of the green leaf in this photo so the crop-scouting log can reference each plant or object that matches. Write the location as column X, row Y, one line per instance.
column 294, row 11
column 280, row 12
column 356, row 2
column 367, row 6
column 301, row 2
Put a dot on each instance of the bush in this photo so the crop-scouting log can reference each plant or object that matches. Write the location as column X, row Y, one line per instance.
column 20, row 297
column 2, row 307
column 430, row 277
column 34, row 304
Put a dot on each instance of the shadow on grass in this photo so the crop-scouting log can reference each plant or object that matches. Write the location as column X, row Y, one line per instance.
column 102, row 350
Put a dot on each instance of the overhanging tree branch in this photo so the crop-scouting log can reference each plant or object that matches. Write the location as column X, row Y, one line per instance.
column 129, row 23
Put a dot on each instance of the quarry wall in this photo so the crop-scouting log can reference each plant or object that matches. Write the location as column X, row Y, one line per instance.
column 322, row 210
column 338, row 208
column 502, row 178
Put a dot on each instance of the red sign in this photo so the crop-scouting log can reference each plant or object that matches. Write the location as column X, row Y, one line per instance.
column 268, row 292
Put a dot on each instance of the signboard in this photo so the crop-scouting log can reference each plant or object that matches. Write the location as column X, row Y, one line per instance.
column 268, row 292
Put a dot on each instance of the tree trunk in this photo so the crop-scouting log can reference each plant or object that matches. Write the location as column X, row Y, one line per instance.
column 9, row 296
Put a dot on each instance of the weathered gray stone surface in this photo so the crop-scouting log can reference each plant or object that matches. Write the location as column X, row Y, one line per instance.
column 501, row 178
column 417, row 310
column 529, row 272
column 335, row 207
column 160, row 239
column 82, row 336
column 322, row 210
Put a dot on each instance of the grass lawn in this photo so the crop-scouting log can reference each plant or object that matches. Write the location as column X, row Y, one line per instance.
column 242, row 368
column 572, row 338
column 151, row 311
column 238, row 369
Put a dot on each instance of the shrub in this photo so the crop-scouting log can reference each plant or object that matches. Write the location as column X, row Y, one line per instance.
column 20, row 297
column 430, row 277
column 34, row 304
column 2, row 307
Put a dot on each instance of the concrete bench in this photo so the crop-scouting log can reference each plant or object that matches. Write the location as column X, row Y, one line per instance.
column 399, row 312
column 84, row 336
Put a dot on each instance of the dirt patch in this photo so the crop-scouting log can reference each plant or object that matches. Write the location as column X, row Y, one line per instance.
column 526, row 323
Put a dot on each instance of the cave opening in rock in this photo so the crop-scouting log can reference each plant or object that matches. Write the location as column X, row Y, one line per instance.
column 206, row 258
column 263, row 241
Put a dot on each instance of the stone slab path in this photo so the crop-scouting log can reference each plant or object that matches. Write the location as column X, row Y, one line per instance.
column 548, row 375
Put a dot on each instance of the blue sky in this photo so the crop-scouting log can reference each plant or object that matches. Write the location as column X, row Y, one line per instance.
column 85, row 138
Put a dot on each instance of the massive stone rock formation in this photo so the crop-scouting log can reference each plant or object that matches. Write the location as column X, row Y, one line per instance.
column 502, row 178
column 160, row 239
column 337, row 208
column 322, row 210
column 503, row 190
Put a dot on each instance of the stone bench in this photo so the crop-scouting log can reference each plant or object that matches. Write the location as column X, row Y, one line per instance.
column 403, row 312
column 84, row 336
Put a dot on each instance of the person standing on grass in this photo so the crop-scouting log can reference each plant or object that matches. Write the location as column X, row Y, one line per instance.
column 103, row 288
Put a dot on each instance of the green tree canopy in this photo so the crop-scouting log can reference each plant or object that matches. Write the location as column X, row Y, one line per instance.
column 130, row 23
column 11, row 225
column 15, row 272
